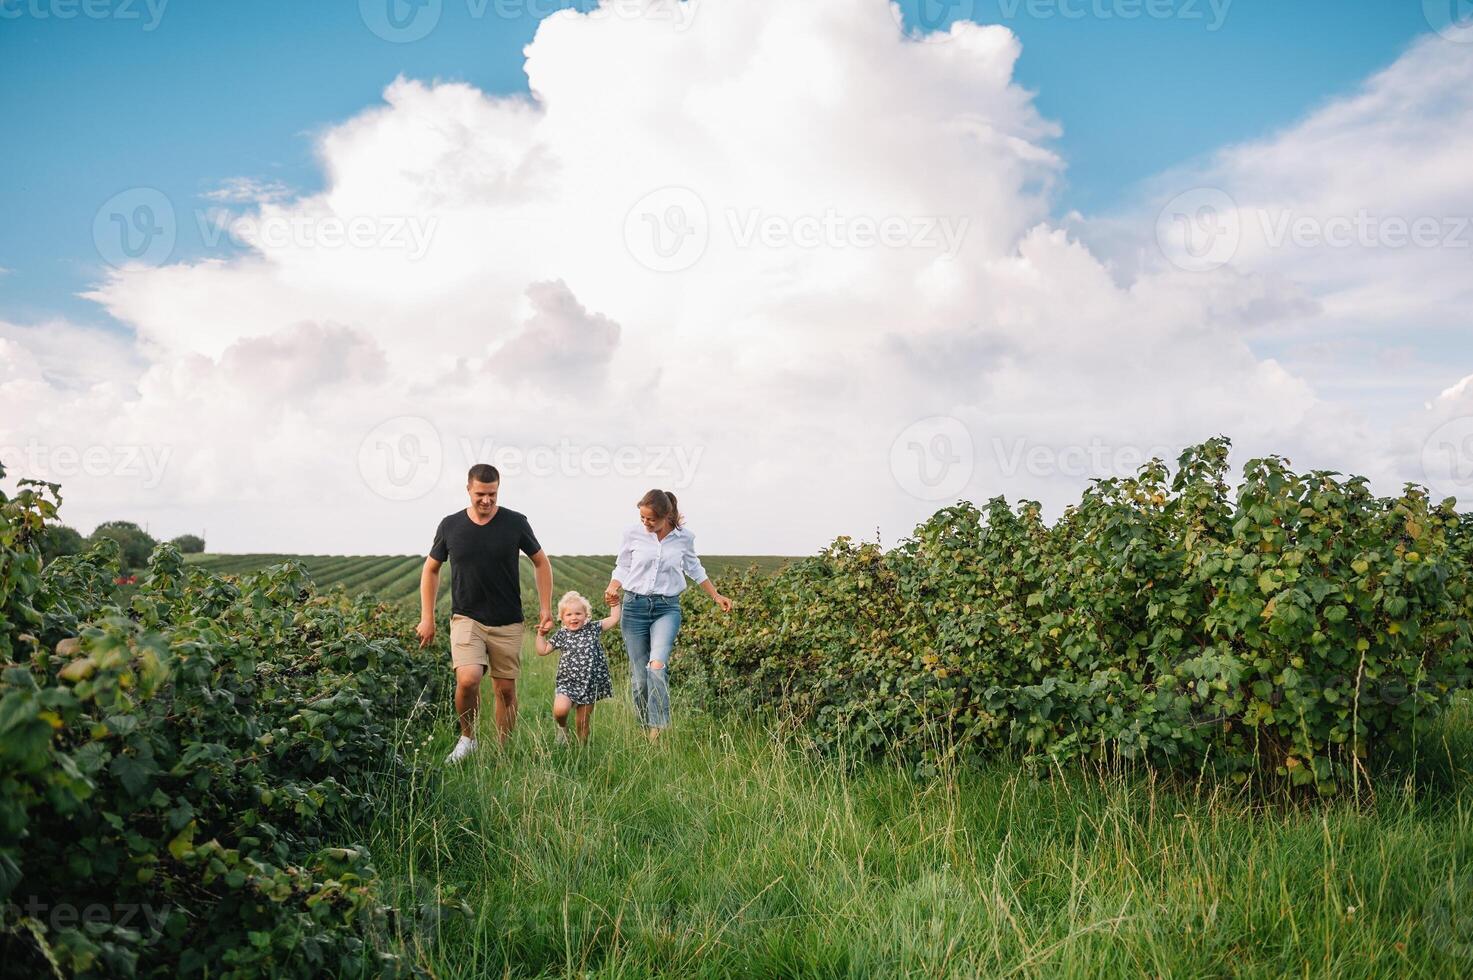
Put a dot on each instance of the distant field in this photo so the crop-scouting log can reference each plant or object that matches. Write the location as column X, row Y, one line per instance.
column 395, row 578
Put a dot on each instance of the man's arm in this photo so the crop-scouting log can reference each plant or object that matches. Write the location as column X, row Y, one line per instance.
column 429, row 585
column 542, row 572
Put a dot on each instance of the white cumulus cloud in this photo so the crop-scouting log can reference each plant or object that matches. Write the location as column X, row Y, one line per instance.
column 736, row 259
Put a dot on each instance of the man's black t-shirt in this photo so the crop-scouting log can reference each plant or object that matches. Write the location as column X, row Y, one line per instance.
column 485, row 583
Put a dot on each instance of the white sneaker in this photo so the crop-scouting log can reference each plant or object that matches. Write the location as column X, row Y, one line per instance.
column 463, row 748
column 562, row 735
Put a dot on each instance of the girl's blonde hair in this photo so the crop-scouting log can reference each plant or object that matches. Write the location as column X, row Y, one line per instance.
column 574, row 599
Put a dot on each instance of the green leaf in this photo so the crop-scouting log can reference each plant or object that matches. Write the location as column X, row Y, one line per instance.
column 183, row 842
column 134, row 773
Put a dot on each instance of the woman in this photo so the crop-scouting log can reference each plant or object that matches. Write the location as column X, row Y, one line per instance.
column 654, row 559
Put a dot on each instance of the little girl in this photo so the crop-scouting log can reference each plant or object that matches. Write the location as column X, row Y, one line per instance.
column 582, row 669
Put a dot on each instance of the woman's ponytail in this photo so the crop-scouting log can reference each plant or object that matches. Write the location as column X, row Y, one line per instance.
column 662, row 502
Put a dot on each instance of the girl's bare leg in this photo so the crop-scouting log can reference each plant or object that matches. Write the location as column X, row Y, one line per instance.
column 584, row 720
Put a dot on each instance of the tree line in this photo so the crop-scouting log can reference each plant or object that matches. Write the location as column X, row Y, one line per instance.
column 134, row 543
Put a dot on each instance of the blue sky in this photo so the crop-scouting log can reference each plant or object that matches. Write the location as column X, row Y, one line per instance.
column 185, row 95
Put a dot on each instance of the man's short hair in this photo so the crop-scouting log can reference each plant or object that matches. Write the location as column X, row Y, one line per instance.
column 483, row 473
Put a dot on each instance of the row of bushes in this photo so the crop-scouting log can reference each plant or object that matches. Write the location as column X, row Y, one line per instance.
column 1282, row 635
column 180, row 764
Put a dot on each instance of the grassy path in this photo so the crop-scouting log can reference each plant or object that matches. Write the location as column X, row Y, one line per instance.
column 722, row 853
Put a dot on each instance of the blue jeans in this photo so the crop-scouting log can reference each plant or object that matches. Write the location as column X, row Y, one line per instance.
column 649, row 625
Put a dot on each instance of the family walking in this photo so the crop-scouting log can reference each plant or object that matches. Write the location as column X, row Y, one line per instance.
column 482, row 544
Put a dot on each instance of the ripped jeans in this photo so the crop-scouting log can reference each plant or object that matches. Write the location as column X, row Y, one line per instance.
column 649, row 625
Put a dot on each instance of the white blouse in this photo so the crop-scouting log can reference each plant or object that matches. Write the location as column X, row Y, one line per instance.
column 648, row 565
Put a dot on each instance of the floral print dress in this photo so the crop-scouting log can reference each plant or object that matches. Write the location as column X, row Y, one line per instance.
column 582, row 667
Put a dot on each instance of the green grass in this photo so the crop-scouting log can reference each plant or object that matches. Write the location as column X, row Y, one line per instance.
column 724, row 851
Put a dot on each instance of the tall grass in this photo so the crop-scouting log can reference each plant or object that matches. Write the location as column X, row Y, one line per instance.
column 725, row 851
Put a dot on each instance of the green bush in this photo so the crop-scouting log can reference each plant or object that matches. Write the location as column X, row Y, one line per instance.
column 189, row 544
column 58, row 540
column 134, row 543
column 1282, row 636
column 178, row 773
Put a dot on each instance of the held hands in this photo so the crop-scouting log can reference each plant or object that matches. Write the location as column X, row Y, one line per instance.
column 541, row 645
column 611, row 595
column 426, row 632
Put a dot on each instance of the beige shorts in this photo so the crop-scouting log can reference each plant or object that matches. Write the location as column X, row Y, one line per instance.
column 497, row 648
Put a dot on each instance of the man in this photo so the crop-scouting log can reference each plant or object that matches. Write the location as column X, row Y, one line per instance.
column 481, row 543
